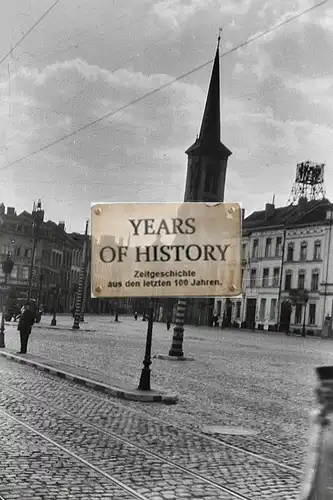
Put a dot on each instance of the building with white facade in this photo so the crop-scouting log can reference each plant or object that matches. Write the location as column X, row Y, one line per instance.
column 285, row 249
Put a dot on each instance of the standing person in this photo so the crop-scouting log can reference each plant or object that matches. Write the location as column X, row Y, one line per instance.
column 26, row 321
column 169, row 318
column 136, row 316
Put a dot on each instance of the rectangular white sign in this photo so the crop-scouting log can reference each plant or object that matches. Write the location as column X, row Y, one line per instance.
column 166, row 250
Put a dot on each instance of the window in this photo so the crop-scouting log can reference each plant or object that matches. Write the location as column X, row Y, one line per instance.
column 276, row 276
column 301, row 280
column 27, row 253
column 242, row 277
column 312, row 314
column 18, row 251
column 290, row 252
column 211, row 179
column 273, row 309
column 303, row 251
column 265, row 278
column 238, row 309
column 287, row 285
column 278, row 247
column 244, row 251
column 262, row 309
column 298, row 314
column 5, row 249
column 24, row 273
column 268, row 247
column 317, row 250
column 13, row 274
column 253, row 278
column 314, row 281
column 255, row 248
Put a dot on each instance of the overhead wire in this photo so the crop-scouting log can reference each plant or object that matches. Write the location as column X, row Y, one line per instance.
column 71, row 98
column 29, row 31
column 168, row 84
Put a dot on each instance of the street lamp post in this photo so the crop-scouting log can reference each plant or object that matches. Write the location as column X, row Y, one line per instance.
column 38, row 216
column 306, row 299
column 144, row 384
column 41, row 279
column 56, row 291
column 7, row 267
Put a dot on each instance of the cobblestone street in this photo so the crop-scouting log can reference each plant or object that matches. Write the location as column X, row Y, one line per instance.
column 261, row 382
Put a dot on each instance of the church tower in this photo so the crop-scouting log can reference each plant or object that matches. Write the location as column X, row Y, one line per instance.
column 205, row 182
column 208, row 157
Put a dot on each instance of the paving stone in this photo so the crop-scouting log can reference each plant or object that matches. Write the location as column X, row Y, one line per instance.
column 237, row 379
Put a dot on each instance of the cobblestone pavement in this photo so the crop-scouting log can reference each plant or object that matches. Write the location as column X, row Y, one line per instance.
column 157, row 460
column 260, row 381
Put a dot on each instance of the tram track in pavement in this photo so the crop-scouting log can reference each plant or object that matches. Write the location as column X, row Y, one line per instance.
column 107, row 476
column 200, row 478
column 101, row 397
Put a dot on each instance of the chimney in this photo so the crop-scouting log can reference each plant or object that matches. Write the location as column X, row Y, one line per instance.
column 61, row 225
column 269, row 210
column 303, row 203
column 11, row 211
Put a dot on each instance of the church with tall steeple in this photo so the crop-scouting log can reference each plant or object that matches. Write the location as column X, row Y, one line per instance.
column 208, row 156
column 206, row 172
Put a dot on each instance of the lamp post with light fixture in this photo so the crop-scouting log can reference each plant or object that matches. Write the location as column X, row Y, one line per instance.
column 7, row 267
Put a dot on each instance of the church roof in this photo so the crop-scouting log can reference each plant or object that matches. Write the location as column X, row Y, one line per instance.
column 209, row 140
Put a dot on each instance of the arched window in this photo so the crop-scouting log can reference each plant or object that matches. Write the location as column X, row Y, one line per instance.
column 211, row 179
column 301, row 279
column 317, row 250
column 290, row 252
column 303, row 251
column 314, row 280
column 288, row 279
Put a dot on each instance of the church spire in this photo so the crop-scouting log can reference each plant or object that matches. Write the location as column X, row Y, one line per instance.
column 210, row 132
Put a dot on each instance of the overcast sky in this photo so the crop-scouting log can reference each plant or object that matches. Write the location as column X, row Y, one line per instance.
column 89, row 57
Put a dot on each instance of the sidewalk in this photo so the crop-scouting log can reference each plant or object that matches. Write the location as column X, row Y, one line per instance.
column 91, row 378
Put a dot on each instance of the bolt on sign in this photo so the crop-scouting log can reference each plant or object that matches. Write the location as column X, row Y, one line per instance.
column 165, row 250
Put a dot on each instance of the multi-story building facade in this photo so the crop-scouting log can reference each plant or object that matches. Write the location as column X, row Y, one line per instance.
column 53, row 260
column 285, row 250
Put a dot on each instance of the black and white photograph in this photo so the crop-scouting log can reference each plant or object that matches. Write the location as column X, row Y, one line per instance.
column 146, row 352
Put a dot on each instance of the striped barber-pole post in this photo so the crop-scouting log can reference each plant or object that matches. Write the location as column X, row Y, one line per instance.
column 178, row 331
column 79, row 297
column 85, row 290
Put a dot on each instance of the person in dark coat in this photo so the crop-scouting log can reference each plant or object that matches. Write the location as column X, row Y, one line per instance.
column 169, row 318
column 26, row 321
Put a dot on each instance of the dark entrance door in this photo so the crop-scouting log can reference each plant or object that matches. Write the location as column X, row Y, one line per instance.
column 250, row 316
column 285, row 316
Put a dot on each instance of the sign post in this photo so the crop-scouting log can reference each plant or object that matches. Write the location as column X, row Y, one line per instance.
column 185, row 250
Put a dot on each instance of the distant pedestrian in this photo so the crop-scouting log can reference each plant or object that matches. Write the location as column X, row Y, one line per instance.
column 26, row 321
column 169, row 318
column 136, row 316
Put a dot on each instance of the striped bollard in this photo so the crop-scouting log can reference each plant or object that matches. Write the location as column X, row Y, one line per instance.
column 84, row 299
column 178, row 331
column 76, row 324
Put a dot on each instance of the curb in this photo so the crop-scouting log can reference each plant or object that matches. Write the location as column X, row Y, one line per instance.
column 134, row 395
column 173, row 358
column 61, row 328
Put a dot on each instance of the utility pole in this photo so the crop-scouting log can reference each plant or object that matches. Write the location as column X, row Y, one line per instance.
column 78, row 305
